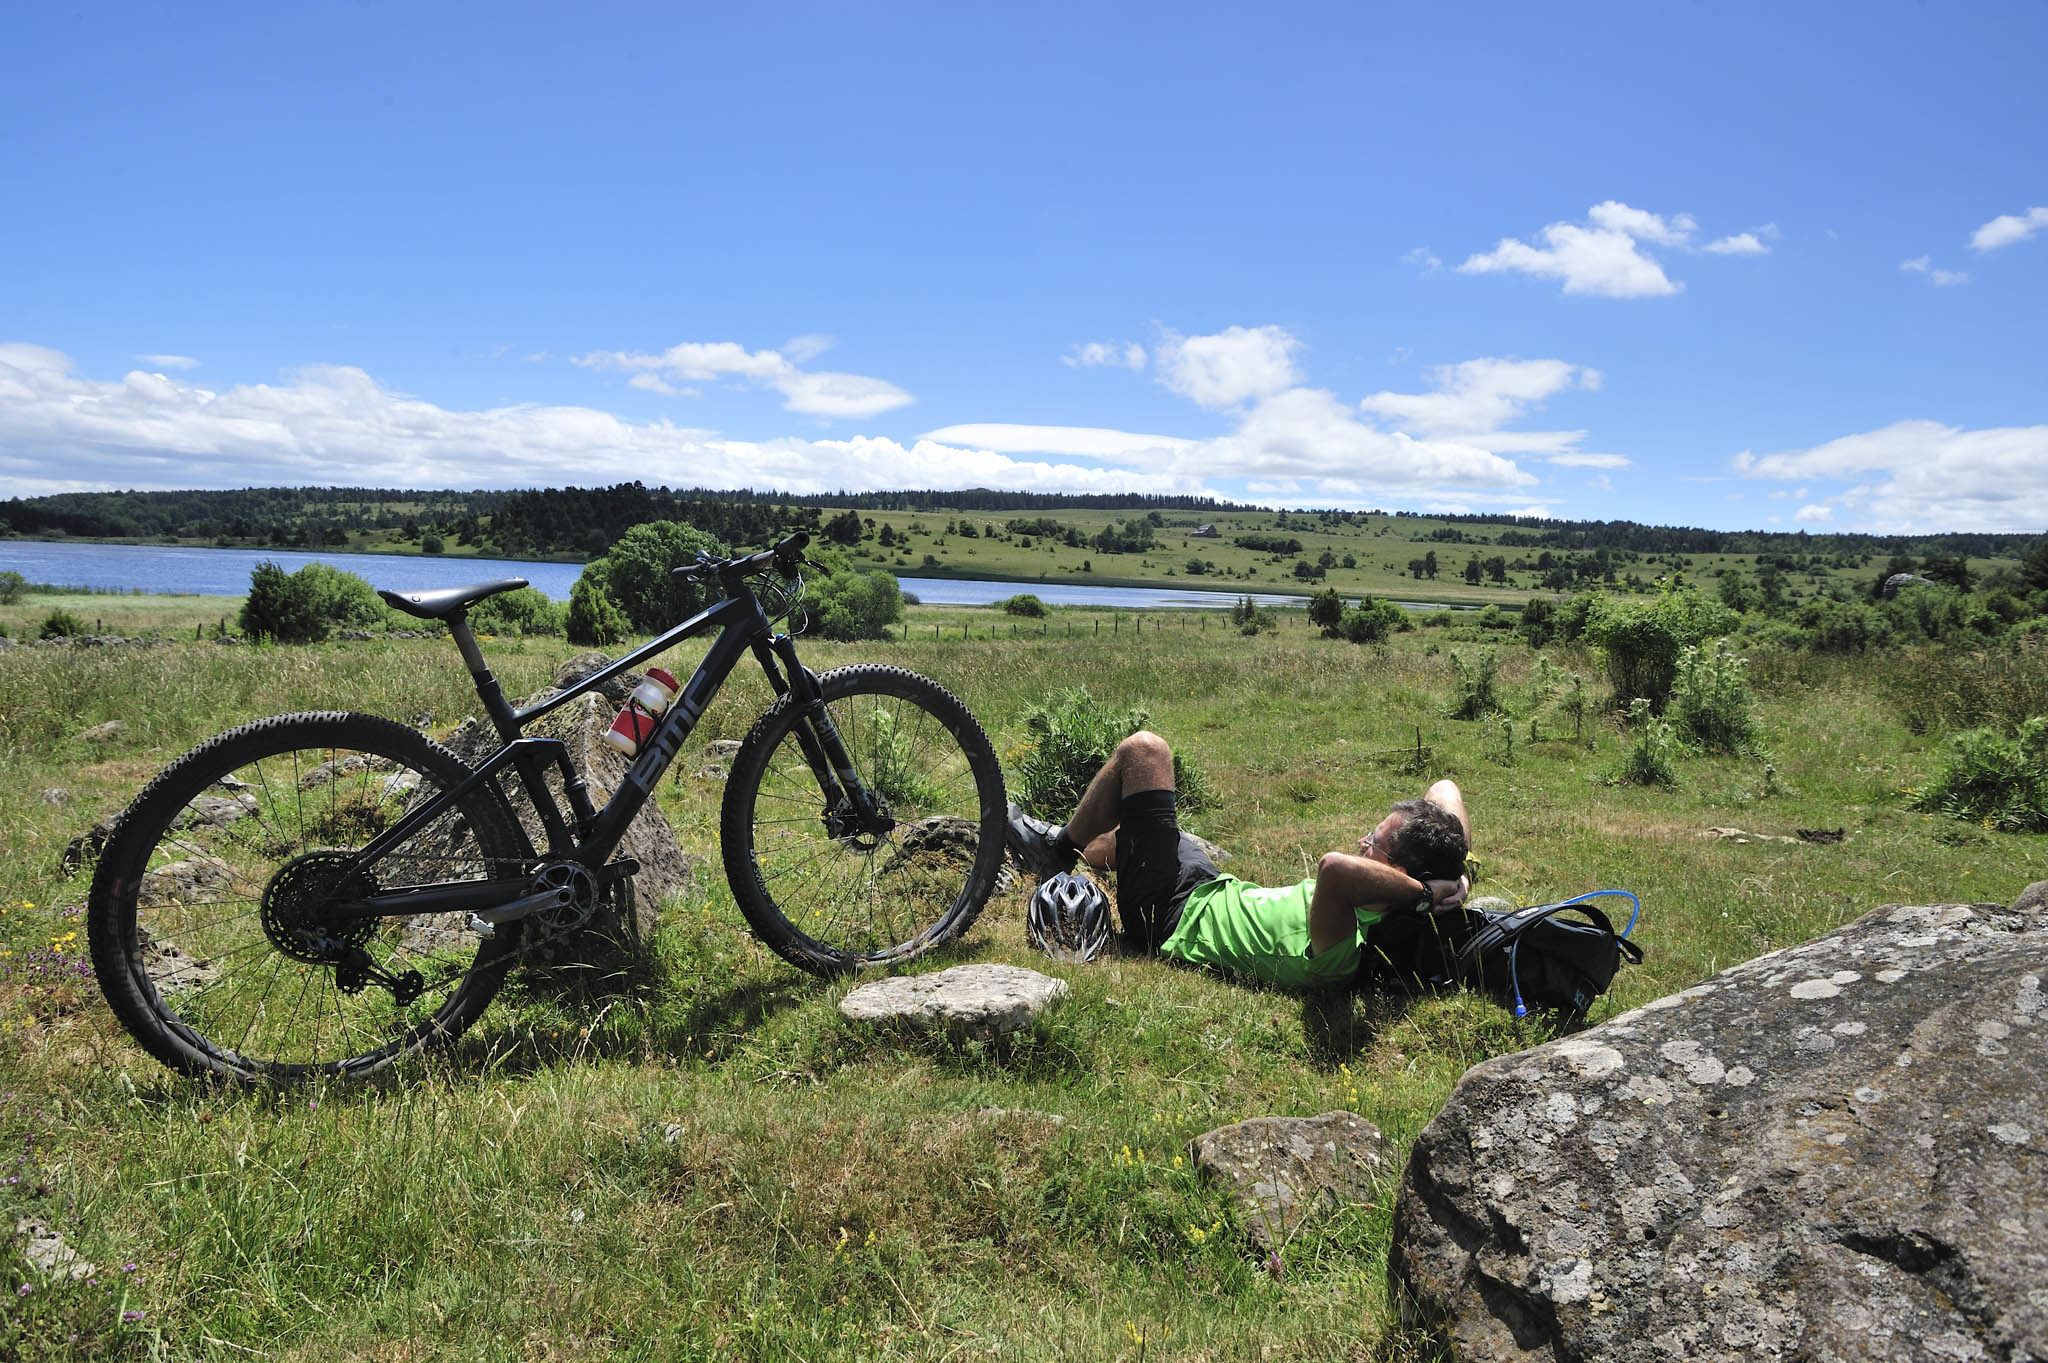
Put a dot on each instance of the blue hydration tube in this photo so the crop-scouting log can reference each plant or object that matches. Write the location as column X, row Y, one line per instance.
column 1515, row 951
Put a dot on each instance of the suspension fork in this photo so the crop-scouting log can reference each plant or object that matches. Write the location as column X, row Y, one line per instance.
column 819, row 738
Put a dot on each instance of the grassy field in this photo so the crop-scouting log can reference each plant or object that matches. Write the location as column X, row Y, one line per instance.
column 713, row 1166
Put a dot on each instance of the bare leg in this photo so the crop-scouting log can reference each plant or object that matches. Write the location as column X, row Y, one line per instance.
column 1140, row 762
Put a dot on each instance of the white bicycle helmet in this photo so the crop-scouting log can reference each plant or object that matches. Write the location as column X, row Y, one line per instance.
column 1068, row 918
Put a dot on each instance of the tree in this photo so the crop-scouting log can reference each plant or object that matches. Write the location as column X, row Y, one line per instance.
column 431, row 544
column 1429, row 564
column 844, row 528
column 1373, row 622
column 2034, row 566
column 638, row 574
column 595, row 620
column 1497, row 568
column 1326, row 611
column 1473, row 571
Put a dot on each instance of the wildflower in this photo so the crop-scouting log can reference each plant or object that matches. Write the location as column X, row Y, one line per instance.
column 130, row 1317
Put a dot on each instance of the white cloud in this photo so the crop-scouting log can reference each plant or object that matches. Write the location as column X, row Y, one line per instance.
column 1088, row 442
column 811, row 392
column 1309, row 433
column 1573, row 459
column 1634, row 222
column 2007, row 228
column 1741, row 244
column 1423, row 259
column 1940, row 278
column 336, row 424
column 168, row 361
column 1917, row 476
column 1474, row 399
column 1536, row 510
column 809, row 346
column 1814, row 513
column 1231, row 366
column 1106, row 354
column 1604, row 261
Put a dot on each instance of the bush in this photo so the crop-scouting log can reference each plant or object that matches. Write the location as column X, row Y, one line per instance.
column 526, row 611
column 1068, row 738
column 61, row 624
column 1710, row 701
column 1024, row 603
column 1477, row 694
column 305, row 606
column 1249, row 617
column 1640, row 641
column 1998, row 781
column 594, row 619
column 1374, row 621
column 846, row 604
column 431, row 544
column 1326, row 611
column 13, row 586
column 1651, row 758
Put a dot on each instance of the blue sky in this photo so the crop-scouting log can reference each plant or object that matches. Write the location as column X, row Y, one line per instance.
column 1710, row 264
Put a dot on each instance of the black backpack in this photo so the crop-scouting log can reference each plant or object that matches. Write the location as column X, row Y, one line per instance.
column 1527, row 958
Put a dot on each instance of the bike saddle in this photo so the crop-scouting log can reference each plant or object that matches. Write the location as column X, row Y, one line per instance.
column 439, row 605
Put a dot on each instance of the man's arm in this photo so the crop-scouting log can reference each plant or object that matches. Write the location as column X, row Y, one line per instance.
column 1344, row 885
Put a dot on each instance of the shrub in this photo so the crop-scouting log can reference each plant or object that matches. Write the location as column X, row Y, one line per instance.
column 431, row 544
column 594, row 619
column 1651, row 758
column 61, row 624
column 1024, row 603
column 526, row 611
column 1640, row 641
column 1067, row 739
column 1249, row 617
column 1477, row 693
column 1998, row 781
column 13, row 586
column 1374, row 621
column 305, row 606
column 1326, row 611
column 1711, row 700
column 846, row 604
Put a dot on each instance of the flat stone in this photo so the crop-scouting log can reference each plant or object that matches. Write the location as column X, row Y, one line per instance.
column 57, row 795
column 982, row 1001
column 47, row 1254
column 1282, row 1172
column 1839, row 1150
column 105, row 733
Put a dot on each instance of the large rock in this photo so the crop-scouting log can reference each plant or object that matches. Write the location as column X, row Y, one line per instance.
column 982, row 1002
column 1282, row 1172
column 1839, row 1150
column 617, row 933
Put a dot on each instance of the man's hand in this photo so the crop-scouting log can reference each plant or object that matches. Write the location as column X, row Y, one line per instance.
column 1445, row 895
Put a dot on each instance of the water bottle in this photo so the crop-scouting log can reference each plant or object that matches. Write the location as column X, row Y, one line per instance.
column 642, row 711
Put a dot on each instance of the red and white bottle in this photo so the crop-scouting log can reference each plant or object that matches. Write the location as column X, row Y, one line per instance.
column 643, row 710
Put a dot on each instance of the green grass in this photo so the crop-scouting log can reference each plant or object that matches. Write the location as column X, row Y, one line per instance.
column 715, row 1167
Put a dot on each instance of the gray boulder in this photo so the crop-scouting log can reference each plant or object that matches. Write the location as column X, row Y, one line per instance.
column 981, row 1002
column 1838, row 1150
column 616, row 935
column 1283, row 1172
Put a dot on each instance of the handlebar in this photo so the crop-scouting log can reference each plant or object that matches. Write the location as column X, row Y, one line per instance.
column 786, row 556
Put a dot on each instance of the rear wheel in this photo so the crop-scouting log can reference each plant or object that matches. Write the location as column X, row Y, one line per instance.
column 211, row 919
column 829, row 897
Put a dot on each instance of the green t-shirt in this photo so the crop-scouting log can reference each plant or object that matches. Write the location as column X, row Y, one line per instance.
column 1262, row 933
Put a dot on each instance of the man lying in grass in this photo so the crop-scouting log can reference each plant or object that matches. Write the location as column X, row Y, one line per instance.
column 1174, row 901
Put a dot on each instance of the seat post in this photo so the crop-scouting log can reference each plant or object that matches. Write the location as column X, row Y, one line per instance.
column 487, row 688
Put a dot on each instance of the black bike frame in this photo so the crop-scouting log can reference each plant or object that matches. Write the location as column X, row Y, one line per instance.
column 743, row 627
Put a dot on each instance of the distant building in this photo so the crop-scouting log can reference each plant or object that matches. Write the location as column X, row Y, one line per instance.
column 1205, row 532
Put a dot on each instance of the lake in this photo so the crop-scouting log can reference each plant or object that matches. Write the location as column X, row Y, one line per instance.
column 225, row 572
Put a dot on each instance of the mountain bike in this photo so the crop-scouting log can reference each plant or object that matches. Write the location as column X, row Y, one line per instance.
column 324, row 893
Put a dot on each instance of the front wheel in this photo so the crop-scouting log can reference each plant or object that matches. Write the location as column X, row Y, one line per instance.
column 828, row 896
column 211, row 919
